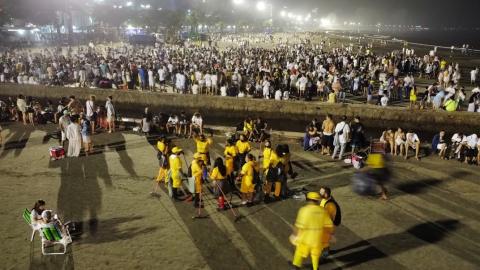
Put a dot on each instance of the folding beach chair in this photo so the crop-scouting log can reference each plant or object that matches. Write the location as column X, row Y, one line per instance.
column 28, row 220
column 49, row 235
column 52, row 236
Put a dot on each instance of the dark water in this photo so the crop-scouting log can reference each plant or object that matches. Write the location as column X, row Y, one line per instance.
column 445, row 38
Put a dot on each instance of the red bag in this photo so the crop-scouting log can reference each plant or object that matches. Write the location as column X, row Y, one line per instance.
column 57, row 152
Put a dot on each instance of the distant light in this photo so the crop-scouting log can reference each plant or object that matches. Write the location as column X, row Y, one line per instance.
column 114, row 6
column 238, row 2
column 299, row 18
column 130, row 27
column 21, row 31
column 142, row 6
column 120, row 6
column 74, row 27
column 283, row 13
column 290, row 15
column 147, row 6
column 129, row 4
column 261, row 6
column 159, row 8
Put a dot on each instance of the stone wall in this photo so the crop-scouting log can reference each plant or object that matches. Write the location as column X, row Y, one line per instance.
column 288, row 111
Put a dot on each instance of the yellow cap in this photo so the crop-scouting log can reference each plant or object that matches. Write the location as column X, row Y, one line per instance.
column 313, row 196
column 176, row 150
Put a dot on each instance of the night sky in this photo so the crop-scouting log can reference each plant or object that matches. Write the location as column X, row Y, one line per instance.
column 436, row 13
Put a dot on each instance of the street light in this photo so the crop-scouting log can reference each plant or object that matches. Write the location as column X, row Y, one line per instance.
column 283, row 13
column 129, row 4
column 261, row 6
column 238, row 2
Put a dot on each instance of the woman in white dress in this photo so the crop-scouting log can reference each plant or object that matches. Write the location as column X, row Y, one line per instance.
column 74, row 137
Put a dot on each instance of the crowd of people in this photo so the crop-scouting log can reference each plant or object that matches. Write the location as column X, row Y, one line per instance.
column 288, row 69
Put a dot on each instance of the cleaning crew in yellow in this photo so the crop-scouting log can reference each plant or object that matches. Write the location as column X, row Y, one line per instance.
column 203, row 147
column 246, row 175
column 176, row 172
column 218, row 175
column 273, row 170
column 243, row 147
column 162, row 156
column 197, row 174
column 230, row 153
column 311, row 226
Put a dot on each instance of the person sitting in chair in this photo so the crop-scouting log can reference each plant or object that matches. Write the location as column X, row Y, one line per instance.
column 197, row 123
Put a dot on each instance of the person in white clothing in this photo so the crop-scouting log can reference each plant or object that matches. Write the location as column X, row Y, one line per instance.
column 278, row 94
column 74, row 137
column 266, row 89
column 91, row 112
column 471, row 149
column 342, row 135
column 473, row 76
column 151, row 80
column 412, row 141
column 384, row 101
column 161, row 78
column 110, row 114
column 197, row 122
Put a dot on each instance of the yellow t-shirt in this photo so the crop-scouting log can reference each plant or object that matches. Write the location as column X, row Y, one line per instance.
column 247, row 185
column 243, row 147
column 248, row 126
column 267, row 153
column 332, row 98
column 216, row 175
column 197, row 172
column 202, row 146
column 161, row 147
column 230, row 153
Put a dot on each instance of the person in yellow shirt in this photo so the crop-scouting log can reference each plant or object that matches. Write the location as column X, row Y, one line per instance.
column 273, row 171
column 230, row 153
column 197, row 173
column 218, row 176
column 175, row 164
column 248, row 128
column 247, row 175
column 243, row 147
column 203, row 147
column 330, row 205
column 311, row 226
column 163, row 161
column 413, row 97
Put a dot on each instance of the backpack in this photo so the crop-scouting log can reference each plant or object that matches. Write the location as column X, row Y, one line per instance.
column 338, row 217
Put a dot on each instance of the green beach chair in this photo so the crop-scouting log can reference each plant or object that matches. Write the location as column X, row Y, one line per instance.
column 28, row 219
column 50, row 235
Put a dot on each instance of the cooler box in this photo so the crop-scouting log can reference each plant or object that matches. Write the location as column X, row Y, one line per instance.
column 57, row 152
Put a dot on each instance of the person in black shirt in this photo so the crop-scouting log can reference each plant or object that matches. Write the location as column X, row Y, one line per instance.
column 358, row 134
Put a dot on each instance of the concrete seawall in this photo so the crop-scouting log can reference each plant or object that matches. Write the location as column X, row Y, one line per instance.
column 279, row 111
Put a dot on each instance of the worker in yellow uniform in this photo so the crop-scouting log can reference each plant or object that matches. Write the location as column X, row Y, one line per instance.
column 163, row 161
column 248, row 128
column 197, row 174
column 230, row 153
column 247, row 177
column 218, row 176
column 311, row 225
column 243, row 147
column 203, row 147
column 273, row 171
column 175, row 164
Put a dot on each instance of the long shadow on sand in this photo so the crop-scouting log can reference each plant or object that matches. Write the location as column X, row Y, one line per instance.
column 395, row 243
column 17, row 140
